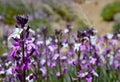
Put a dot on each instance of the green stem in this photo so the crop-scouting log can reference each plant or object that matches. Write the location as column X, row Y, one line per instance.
column 47, row 69
column 23, row 56
column 59, row 61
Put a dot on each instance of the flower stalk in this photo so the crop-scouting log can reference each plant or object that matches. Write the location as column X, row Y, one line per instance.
column 23, row 56
column 58, row 36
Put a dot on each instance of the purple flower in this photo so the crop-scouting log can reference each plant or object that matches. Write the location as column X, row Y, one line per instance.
column 89, row 79
column 70, row 53
column 82, row 75
column 72, row 61
column 83, row 47
column 31, row 77
column 65, row 70
column 93, row 60
column 21, row 20
column 2, row 71
column 43, row 70
column 26, row 66
column 30, row 44
column 101, row 40
column 24, row 47
column 37, row 51
column 114, row 42
column 55, row 56
column 52, row 47
column 94, row 73
column 53, row 64
column 43, row 61
column 13, row 70
column 116, row 65
column 14, row 51
column 58, row 74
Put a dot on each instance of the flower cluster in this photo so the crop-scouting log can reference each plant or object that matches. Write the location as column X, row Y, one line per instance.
column 60, row 57
column 23, row 48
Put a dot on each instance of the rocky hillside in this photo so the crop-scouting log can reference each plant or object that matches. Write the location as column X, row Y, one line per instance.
column 58, row 13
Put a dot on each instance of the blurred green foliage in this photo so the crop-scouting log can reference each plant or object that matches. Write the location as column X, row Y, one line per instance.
column 2, row 48
column 64, row 12
column 79, row 1
column 80, row 24
column 116, row 27
column 40, row 23
column 58, row 11
column 48, row 10
column 109, row 11
column 111, row 75
column 9, row 10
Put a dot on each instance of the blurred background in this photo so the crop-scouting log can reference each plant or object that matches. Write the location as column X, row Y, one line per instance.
column 102, row 15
